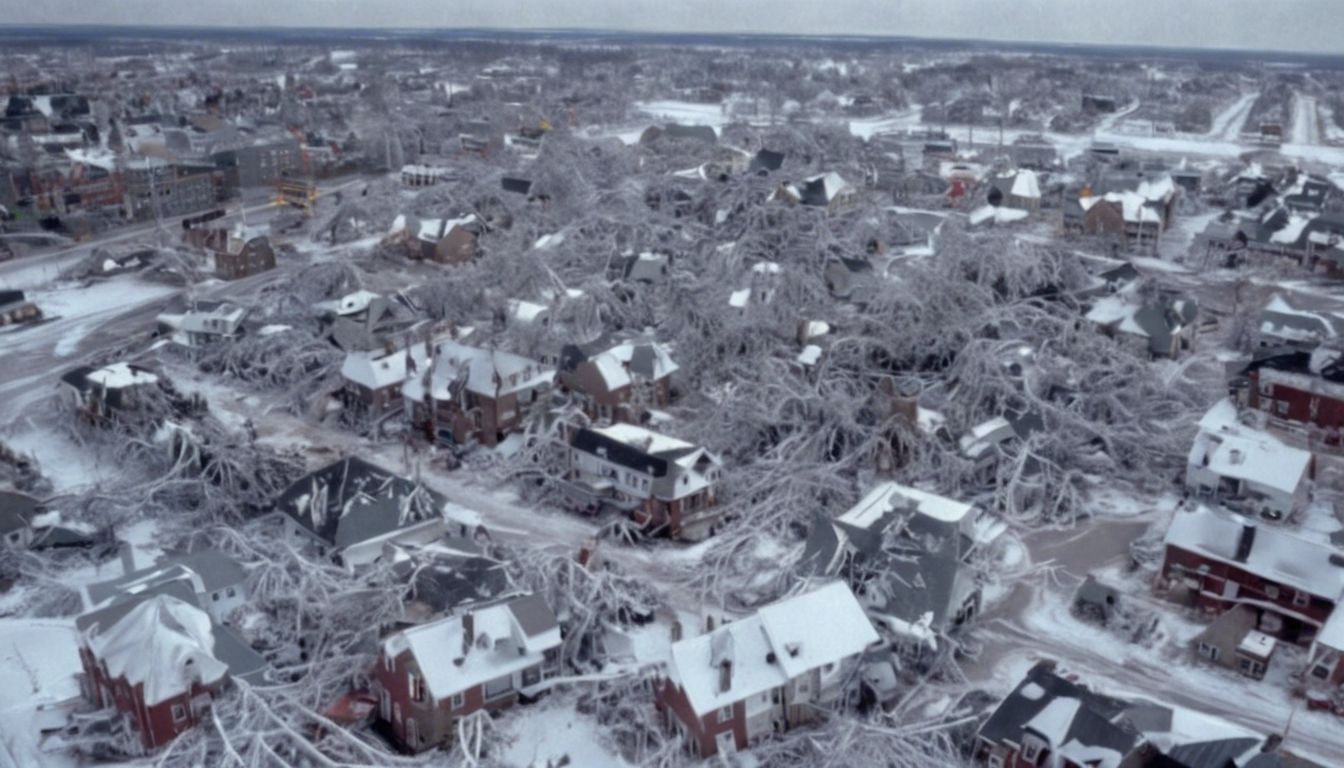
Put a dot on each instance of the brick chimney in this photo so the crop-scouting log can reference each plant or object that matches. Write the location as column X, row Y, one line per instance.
column 1245, row 542
column 468, row 632
column 725, row 675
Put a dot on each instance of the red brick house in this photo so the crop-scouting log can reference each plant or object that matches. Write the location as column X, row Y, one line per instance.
column 667, row 485
column 618, row 380
column 765, row 673
column 430, row 676
column 1325, row 665
column 1301, row 393
column 466, row 393
column 1215, row 560
column 159, row 661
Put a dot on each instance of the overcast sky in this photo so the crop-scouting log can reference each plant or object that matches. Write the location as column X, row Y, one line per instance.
column 1290, row 25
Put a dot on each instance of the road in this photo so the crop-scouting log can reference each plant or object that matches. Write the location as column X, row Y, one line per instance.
column 1306, row 121
column 1228, row 124
column 1032, row 623
column 38, row 267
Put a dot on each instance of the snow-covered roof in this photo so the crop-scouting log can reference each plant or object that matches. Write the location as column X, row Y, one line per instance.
column 506, row 638
column 1276, row 554
column 1231, row 449
column 739, row 298
column 772, row 647
column 616, row 364
column 1026, row 184
column 997, row 214
column 645, row 439
column 376, row 369
column 485, row 371
column 120, row 375
column 163, row 643
column 352, row 303
column 527, row 311
column 1292, row 231
column 1332, row 634
column 810, row 355
column 891, row 495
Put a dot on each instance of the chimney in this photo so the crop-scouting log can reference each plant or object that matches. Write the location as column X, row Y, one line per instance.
column 126, row 553
column 725, row 675
column 1245, row 542
column 468, row 632
column 676, row 631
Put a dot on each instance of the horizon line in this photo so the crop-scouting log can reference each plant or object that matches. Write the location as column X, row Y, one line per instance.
column 842, row 36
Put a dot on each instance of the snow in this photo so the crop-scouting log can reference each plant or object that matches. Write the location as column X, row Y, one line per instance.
column 686, row 113
column 1292, row 231
column 1026, row 184
column 39, row 661
column 646, row 440
column 810, row 355
column 153, row 645
column 499, row 647
column 541, row 735
column 1276, row 554
column 1230, row 449
column 822, row 627
column 891, row 495
column 996, row 214
column 739, row 298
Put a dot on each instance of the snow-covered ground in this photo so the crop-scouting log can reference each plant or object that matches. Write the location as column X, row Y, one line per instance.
column 541, row 735
column 39, row 659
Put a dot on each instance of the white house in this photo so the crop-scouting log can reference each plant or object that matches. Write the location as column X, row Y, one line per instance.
column 1245, row 468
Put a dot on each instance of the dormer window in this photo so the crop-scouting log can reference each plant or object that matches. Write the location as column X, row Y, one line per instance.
column 1032, row 749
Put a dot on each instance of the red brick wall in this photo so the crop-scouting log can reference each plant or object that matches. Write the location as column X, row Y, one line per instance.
column 155, row 723
column 1329, row 411
column 703, row 732
column 1251, row 586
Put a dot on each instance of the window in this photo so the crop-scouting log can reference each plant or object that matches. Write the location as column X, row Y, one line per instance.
column 1282, row 407
column 215, row 597
column 412, row 732
column 1266, row 388
column 996, row 760
column 1031, row 749
column 1209, row 652
column 1272, row 591
column 458, row 700
column 498, row 687
column 1301, row 599
column 725, row 714
column 232, row 592
column 417, row 685
column 179, row 713
column 1320, row 672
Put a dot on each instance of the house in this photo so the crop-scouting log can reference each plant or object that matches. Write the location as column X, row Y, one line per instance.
column 243, row 256
column 765, row 277
column 766, row 161
column 364, row 320
column 908, row 554
column 443, row 241
column 374, row 378
column 423, row 175
column 430, row 676
column 1325, row 665
column 618, row 379
column 827, row 190
column 467, row 393
column 99, row 393
column 350, row 508
column 667, row 485
column 15, row 309
column 852, row 279
column 1281, row 325
column 159, row 661
column 1301, row 393
column 1135, row 212
column 1051, row 719
column 206, row 323
column 445, row 574
column 1245, row 468
column 1019, row 189
column 217, row 581
column 765, row 673
column 991, row 441
column 1164, row 326
column 1232, row 641
column 1216, row 560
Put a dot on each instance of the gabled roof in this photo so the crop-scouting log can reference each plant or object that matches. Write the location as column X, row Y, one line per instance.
column 775, row 645
column 487, row 372
column 1274, row 554
column 352, row 501
column 1231, row 449
column 1063, row 712
column 210, row 568
column 507, row 637
column 162, row 643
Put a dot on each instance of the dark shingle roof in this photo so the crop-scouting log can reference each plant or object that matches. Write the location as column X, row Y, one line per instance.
column 352, row 500
column 617, row 452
